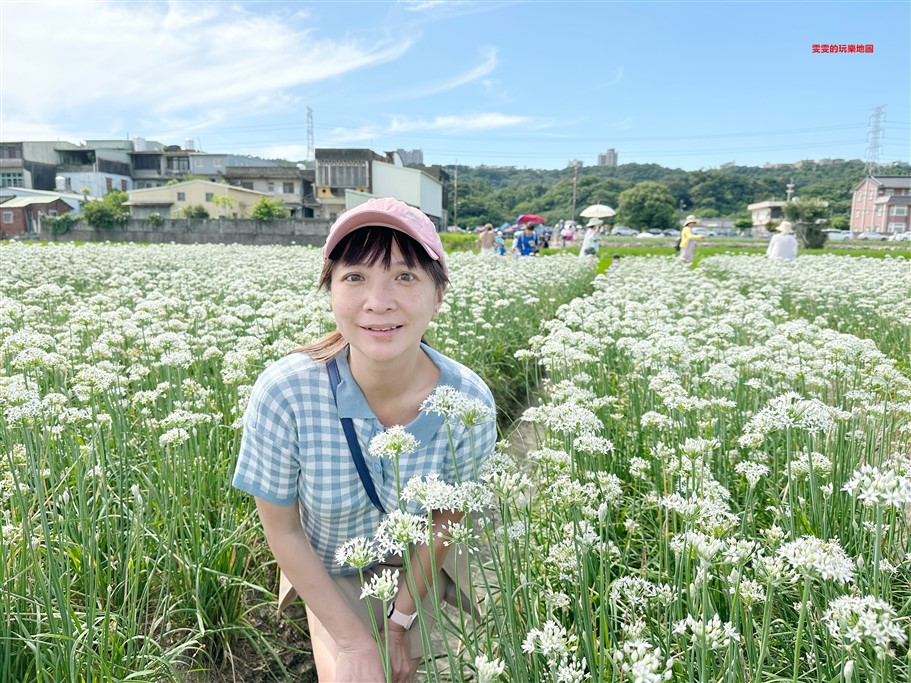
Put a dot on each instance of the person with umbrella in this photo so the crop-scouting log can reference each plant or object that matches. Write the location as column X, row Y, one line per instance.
column 590, row 242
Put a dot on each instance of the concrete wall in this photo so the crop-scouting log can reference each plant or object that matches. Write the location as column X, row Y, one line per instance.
column 306, row 231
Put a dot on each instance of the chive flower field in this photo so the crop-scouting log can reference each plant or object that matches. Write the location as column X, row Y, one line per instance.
column 718, row 486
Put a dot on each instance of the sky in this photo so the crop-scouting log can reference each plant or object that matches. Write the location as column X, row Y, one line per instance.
column 530, row 84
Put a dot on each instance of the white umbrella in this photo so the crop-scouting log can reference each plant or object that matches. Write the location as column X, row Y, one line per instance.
column 597, row 211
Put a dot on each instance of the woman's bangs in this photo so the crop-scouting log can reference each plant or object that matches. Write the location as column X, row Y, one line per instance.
column 372, row 245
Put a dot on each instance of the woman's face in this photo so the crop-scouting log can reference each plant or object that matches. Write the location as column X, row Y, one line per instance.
column 383, row 313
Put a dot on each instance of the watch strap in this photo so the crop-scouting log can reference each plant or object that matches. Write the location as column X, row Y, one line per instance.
column 400, row 618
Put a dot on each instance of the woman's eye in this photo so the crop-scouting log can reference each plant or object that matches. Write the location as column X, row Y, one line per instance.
column 408, row 277
column 351, row 277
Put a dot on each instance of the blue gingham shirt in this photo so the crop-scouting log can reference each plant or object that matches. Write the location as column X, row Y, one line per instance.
column 294, row 449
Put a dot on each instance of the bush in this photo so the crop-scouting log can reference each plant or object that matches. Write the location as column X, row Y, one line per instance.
column 108, row 212
column 197, row 211
column 156, row 220
column 267, row 209
column 59, row 225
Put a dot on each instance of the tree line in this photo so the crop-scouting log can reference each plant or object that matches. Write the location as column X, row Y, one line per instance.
column 498, row 195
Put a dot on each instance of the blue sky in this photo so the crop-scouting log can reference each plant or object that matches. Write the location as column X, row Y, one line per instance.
column 529, row 84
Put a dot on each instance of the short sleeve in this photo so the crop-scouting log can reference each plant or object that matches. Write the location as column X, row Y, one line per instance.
column 268, row 464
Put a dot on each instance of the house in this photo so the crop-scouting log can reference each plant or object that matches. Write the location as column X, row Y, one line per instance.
column 764, row 215
column 29, row 164
column 96, row 166
column 289, row 184
column 155, row 164
column 348, row 177
column 73, row 199
column 881, row 204
column 169, row 201
column 22, row 215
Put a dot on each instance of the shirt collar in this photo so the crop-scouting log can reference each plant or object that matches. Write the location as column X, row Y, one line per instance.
column 350, row 400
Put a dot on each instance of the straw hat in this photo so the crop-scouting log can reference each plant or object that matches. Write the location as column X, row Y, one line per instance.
column 690, row 220
column 594, row 223
column 785, row 228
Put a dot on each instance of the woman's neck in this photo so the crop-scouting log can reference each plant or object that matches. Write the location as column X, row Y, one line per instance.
column 394, row 390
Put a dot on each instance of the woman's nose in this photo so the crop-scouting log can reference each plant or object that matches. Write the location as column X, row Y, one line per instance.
column 379, row 296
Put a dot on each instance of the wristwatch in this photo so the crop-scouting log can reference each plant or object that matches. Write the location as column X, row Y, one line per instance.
column 400, row 618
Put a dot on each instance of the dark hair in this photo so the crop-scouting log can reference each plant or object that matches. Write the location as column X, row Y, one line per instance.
column 373, row 244
column 369, row 245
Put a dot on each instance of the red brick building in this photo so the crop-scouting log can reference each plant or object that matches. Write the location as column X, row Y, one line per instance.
column 20, row 215
column 881, row 204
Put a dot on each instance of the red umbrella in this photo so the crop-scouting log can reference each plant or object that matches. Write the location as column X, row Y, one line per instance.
column 530, row 218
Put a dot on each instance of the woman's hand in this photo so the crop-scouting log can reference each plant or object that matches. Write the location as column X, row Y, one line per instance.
column 399, row 653
column 359, row 663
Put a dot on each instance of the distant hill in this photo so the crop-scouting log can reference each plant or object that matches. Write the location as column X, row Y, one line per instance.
column 498, row 195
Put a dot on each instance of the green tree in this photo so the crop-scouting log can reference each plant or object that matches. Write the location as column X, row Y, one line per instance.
column 107, row 212
column 647, row 205
column 810, row 218
column 223, row 202
column 268, row 209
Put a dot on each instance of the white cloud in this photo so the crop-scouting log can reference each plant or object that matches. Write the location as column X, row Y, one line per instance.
column 489, row 63
column 163, row 60
column 455, row 124
column 428, row 5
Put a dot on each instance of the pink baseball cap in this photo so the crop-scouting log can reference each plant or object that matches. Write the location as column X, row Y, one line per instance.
column 388, row 212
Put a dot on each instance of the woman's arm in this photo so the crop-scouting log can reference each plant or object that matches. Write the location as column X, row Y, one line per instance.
column 358, row 658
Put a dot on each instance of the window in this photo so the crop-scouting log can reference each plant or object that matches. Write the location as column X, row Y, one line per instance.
column 12, row 180
column 52, row 213
column 288, row 188
column 896, row 227
column 271, row 186
column 898, row 211
column 889, row 191
column 246, row 184
column 209, row 196
column 7, row 217
column 108, row 184
column 123, row 185
column 178, row 163
column 181, row 196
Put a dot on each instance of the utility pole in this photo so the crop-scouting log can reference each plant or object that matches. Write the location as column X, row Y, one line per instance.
column 310, row 148
column 576, row 163
column 455, row 220
column 789, row 191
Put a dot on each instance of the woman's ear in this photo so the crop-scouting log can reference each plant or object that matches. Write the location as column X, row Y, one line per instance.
column 439, row 302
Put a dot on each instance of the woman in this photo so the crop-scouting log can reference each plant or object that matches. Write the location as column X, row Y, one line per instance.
column 783, row 244
column 385, row 269
column 688, row 240
column 590, row 242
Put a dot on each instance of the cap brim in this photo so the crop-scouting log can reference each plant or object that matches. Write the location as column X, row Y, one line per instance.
column 364, row 219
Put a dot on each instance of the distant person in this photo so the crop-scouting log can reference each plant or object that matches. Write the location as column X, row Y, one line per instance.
column 590, row 242
column 499, row 245
column 688, row 240
column 487, row 240
column 566, row 234
column 614, row 264
column 527, row 242
column 783, row 244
